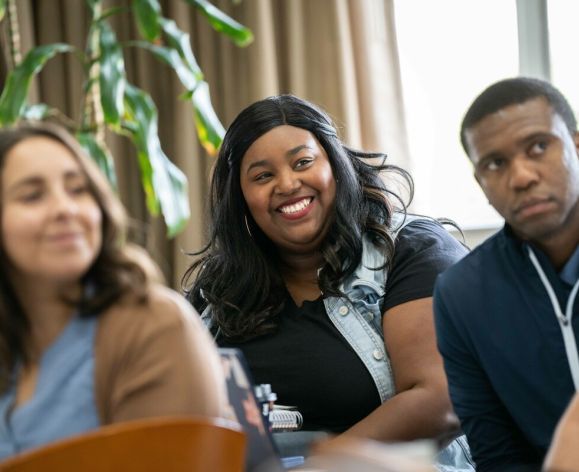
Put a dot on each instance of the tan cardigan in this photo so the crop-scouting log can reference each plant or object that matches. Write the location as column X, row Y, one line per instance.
column 156, row 359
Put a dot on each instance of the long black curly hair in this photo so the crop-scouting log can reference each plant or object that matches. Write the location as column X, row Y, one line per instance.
column 237, row 273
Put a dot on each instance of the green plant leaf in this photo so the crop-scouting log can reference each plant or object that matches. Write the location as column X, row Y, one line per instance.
column 112, row 75
column 110, row 12
column 13, row 98
column 2, row 9
column 172, row 58
column 100, row 154
column 164, row 184
column 239, row 34
column 95, row 6
column 209, row 128
column 180, row 41
column 135, row 122
column 36, row 112
column 148, row 16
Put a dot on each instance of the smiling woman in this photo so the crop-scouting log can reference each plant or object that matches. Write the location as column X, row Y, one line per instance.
column 51, row 221
column 322, row 282
column 289, row 189
column 70, row 285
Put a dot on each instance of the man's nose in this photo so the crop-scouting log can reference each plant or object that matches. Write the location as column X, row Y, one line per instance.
column 522, row 173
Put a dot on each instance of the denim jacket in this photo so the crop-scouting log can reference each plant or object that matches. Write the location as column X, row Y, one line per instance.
column 358, row 318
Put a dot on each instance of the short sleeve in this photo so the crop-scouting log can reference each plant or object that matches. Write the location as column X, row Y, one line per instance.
column 423, row 249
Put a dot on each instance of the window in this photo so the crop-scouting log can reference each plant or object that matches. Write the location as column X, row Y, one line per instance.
column 563, row 42
column 450, row 50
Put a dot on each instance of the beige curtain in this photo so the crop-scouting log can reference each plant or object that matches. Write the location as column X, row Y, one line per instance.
column 340, row 54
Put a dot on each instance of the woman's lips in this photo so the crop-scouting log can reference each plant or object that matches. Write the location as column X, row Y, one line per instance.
column 64, row 238
column 296, row 209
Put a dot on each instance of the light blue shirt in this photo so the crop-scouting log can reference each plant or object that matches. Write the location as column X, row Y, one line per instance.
column 570, row 271
column 63, row 403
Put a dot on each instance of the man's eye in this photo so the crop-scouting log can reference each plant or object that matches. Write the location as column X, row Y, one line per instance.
column 538, row 148
column 494, row 164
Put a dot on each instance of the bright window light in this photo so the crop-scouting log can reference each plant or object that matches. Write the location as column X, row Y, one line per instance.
column 563, row 41
column 450, row 50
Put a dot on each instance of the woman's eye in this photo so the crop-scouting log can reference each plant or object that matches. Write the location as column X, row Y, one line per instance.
column 30, row 196
column 262, row 177
column 79, row 189
column 304, row 162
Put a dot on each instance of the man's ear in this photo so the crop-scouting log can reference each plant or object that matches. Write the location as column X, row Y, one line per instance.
column 576, row 141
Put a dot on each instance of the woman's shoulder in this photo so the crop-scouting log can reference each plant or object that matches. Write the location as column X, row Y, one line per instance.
column 419, row 228
column 162, row 307
column 426, row 242
column 402, row 222
column 146, row 351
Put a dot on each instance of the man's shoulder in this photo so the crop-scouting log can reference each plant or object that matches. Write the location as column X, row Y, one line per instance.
column 481, row 261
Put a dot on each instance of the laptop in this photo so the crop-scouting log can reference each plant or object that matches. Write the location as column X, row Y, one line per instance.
column 262, row 453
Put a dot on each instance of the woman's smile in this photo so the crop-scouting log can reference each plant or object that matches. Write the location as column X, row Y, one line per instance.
column 288, row 184
column 297, row 210
column 51, row 222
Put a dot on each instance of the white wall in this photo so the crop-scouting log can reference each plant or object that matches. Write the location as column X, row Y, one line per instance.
column 473, row 237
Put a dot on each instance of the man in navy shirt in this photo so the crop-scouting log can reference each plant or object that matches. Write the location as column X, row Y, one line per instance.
column 507, row 314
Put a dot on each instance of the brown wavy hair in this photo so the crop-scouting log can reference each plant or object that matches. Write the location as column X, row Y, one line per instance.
column 119, row 269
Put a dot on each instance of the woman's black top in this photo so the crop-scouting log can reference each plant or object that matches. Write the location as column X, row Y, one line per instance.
column 311, row 366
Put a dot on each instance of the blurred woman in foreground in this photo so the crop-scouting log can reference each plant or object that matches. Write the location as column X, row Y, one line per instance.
column 88, row 335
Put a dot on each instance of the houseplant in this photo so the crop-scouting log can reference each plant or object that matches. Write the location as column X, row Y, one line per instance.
column 111, row 102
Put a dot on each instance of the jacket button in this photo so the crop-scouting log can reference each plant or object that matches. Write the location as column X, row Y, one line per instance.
column 378, row 354
column 343, row 310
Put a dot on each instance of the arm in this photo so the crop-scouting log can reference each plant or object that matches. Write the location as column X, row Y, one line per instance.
column 166, row 365
column 495, row 440
column 421, row 408
column 563, row 455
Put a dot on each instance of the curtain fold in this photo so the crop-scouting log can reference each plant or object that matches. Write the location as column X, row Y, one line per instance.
column 340, row 54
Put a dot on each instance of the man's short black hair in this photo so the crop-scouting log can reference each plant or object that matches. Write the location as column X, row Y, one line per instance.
column 513, row 91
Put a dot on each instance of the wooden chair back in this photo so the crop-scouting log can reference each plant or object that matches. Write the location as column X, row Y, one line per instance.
column 151, row 445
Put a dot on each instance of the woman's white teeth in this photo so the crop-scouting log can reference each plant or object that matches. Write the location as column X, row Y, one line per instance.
column 296, row 206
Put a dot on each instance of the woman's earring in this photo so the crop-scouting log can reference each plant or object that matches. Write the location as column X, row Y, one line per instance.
column 247, row 226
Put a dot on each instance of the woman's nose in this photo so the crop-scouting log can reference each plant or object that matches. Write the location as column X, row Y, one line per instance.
column 63, row 204
column 287, row 183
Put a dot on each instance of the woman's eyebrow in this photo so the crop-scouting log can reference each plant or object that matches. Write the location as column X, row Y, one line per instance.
column 294, row 151
column 23, row 183
column 35, row 180
column 261, row 163
column 290, row 153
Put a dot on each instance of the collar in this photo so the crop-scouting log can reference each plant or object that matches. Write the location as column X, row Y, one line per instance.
column 570, row 271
